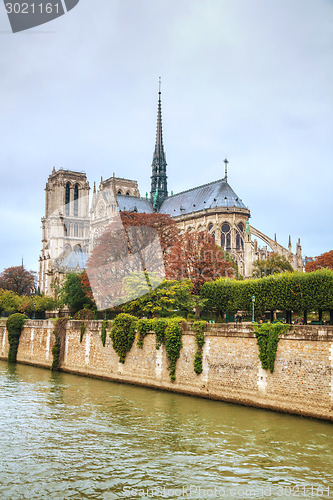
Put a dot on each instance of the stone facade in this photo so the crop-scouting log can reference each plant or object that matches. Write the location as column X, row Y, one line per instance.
column 65, row 227
column 229, row 227
column 71, row 224
column 301, row 382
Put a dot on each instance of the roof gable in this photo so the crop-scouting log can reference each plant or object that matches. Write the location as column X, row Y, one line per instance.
column 216, row 194
column 134, row 204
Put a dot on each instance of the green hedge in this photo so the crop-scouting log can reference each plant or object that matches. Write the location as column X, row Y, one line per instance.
column 287, row 291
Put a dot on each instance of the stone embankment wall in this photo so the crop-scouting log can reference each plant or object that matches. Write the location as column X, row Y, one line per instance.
column 302, row 382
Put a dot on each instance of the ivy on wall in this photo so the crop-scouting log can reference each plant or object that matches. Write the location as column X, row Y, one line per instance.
column 84, row 315
column 199, row 327
column 123, row 334
column 58, row 349
column 173, row 344
column 168, row 332
column 14, row 325
column 143, row 326
column 159, row 326
column 83, row 328
column 267, row 339
column 103, row 331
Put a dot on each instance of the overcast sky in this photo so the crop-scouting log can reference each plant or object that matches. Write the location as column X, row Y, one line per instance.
column 248, row 79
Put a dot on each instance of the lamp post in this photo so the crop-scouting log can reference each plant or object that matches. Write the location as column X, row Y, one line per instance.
column 34, row 316
column 253, row 299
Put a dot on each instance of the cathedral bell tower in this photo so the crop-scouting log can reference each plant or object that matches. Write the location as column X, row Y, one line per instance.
column 159, row 190
column 65, row 226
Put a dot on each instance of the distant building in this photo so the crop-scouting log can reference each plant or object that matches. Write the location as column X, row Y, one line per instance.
column 72, row 224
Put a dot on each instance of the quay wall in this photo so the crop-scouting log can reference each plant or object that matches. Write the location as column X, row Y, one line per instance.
column 302, row 382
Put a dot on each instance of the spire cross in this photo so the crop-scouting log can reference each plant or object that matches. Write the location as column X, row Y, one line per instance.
column 226, row 169
column 159, row 85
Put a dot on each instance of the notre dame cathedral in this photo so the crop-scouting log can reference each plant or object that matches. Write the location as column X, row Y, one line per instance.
column 72, row 223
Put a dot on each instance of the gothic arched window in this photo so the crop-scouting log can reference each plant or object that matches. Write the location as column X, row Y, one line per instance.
column 225, row 237
column 76, row 201
column 239, row 237
column 127, row 194
column 76, row 230
column 67, row 197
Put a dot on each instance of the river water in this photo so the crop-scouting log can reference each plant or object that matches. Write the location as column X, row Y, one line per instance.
column 69, row 437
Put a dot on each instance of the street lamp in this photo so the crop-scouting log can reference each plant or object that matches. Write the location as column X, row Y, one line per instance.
column 253, row 299
column 34, row 316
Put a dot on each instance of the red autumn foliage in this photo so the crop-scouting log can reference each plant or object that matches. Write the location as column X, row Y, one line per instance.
column 195, row 256
column 129, row 244
column 324, row 260
column 18, row 280
column 121, row 237
column 85, row 285
column 164, row 225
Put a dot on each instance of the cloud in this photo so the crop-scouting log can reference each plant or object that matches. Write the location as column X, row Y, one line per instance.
column 247, row 79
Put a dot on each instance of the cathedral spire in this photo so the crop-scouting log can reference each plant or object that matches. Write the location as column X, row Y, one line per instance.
column 159, row 190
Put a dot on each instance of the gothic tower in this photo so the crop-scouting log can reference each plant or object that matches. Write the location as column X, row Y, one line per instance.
column 159, row 190
column 65, row 225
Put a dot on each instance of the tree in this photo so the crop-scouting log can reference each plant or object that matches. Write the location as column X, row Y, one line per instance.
column 167, row 298
column 37, row 304
column 74, row 295
column 18, row 280
column 85, row 285
column 163, row 224
column 324, row 260
column 150, row 245
column 272, row 265
column 9, row 301
column 133, row 243
column 196, row 257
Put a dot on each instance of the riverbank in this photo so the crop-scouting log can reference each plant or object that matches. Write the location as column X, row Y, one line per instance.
column 302, row 382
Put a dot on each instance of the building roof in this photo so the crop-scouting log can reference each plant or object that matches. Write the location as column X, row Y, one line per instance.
column 134, row 204
column 217, row 194
column 77, row 258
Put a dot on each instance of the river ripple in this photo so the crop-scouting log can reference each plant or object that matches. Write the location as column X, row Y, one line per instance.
column 70, row 437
